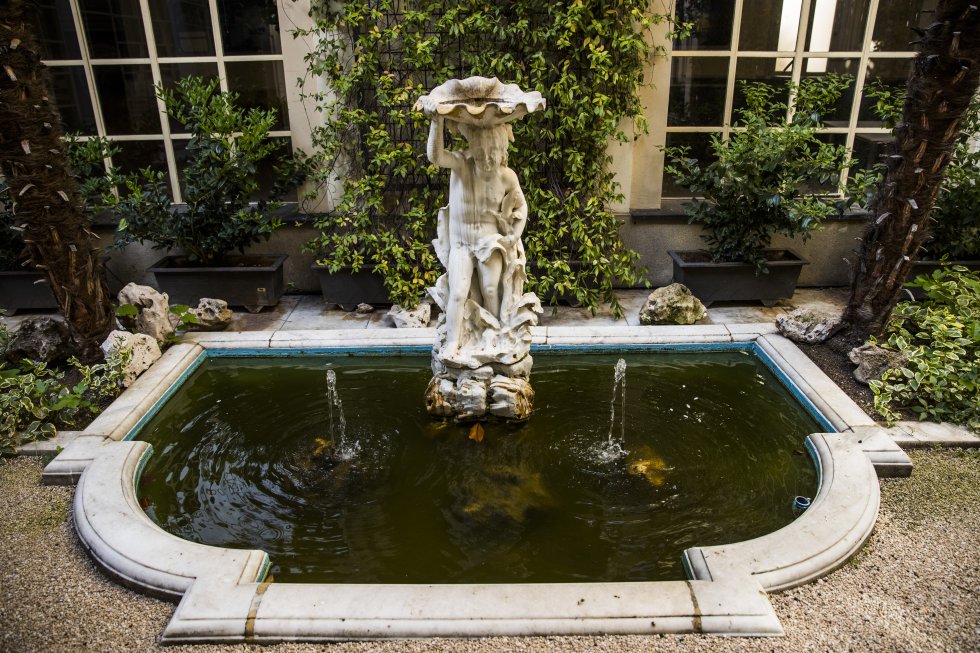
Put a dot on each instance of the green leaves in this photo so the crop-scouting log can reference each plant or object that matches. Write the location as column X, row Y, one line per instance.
column 759, row 182
column 586, row 57
column 941, row 380
column 227, row 145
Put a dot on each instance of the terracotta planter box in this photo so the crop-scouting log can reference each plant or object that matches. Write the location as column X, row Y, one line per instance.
column 252, row 281
column 348, row 288
column 718, row 282
column 22, row 290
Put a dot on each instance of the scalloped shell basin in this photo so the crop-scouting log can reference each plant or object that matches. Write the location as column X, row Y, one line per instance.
column 606, row 482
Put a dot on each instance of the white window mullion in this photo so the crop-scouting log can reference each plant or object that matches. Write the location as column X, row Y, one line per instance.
column 727, row 116
column 76, row 14
column 219, row 45
column 168, row 146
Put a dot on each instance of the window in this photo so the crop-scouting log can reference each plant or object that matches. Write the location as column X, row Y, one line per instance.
column 105, row 56
column 774, row 41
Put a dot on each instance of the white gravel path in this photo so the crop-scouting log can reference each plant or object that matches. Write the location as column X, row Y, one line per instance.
column 913, row 588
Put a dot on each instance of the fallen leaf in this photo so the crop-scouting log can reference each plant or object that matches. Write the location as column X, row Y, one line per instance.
column 476, row 432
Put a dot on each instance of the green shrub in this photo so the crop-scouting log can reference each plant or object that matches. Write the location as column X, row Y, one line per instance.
column 378, row 57
column 221, row 178
column 941, row 380
column 36, row 400
column 757, row 184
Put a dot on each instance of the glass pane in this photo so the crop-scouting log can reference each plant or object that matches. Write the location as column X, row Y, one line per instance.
column 699, row 148
column 870, row 148
column 768, row 70
column 895, row 20
column 114, row 28
column 249, row 26
column 837, row 25
column 171, row 72
column 182, row 28
column 813, row 185
column 260, row 84
column 816, row 67
column 697, row 91
column 136, row 155
column 72, row 97
column 770, row 25
column 126, row 95
column 712, row 21
column 890, row 73
column 55, row 29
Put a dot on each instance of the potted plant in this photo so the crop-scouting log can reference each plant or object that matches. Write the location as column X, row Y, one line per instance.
column 221, row 213
column 758, row 185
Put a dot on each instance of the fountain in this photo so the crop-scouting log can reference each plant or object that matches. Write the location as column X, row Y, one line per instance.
column 481, row 358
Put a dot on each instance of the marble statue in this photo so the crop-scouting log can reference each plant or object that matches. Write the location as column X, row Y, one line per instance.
column 481, row 359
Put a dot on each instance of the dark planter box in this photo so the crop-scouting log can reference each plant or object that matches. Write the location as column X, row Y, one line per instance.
column 719, row 282
column 25, row 290
column 348, row 288
column 251, row 281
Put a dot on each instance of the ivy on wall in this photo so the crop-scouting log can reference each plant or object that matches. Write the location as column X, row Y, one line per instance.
column 378, row 56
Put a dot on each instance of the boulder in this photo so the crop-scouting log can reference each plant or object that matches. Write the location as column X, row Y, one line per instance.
column 807, row 325
column 872, row 361
column 40, row 339
column 416, row 318
column 152, row 311
column 143, row 351
column 211, row 314
column 673, row 304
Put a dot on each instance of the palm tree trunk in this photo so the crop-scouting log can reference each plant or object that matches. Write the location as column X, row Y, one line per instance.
column 45, row 196
column 943, row 79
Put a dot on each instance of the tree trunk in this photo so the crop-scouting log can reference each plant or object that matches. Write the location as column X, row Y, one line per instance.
column 44, row 193
column 942, row 81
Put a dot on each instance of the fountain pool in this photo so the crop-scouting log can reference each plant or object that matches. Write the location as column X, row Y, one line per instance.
column 225, row 557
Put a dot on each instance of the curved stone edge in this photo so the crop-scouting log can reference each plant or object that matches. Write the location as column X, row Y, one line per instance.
column 223, row 602
column 124, row 542
column 820, row 540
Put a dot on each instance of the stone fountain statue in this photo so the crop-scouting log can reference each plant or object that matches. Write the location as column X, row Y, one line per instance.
column 481, row 360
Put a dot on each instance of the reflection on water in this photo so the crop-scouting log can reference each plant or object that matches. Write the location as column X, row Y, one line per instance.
column 247, row 456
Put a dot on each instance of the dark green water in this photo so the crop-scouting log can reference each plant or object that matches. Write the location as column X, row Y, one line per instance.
column 715, row 455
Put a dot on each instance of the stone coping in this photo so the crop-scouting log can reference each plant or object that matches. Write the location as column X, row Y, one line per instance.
column 223, row 596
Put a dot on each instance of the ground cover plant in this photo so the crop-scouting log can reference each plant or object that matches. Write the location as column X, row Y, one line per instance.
column 941, row 334
column 378, row 57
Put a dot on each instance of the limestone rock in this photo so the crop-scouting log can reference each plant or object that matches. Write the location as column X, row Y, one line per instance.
column 673, row 304
column 808, row 325
column 364, row 309
column 40, row 339
column 511, row 399
column 143, row 352
column 872, row 361
column 211, row 314
column 416, row 318
column 153, row 311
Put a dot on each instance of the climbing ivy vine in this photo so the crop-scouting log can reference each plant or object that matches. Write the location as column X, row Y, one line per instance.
column 378, row 56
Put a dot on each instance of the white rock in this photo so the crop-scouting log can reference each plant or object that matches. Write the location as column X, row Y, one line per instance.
column 153, row 311
column 416, row 318
column 872, row 361
column 673, row 304
column 143, row 352
column 808, row 325
column 211, row 314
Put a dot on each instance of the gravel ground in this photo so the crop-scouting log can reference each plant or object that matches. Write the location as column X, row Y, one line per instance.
column 914, row 587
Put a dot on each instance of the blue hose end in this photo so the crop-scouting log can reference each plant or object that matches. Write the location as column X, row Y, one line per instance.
column 801, row 503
